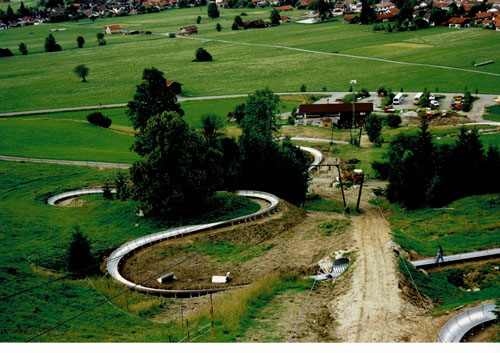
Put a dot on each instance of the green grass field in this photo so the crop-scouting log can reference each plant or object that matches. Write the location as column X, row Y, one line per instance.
column 46, row 80
column 492, row 113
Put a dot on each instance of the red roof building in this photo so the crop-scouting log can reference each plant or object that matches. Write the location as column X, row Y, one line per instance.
column 284, row 8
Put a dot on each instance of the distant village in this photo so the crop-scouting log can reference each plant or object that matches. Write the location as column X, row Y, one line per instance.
column 427, row 13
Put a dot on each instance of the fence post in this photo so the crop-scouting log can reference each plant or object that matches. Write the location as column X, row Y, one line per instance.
column 187, row 327
column 212, row 312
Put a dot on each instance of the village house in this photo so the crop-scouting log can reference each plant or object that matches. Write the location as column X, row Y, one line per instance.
column 383, row 7
column 340, row 114
column 112, row 29
column 349, row 18
column 284, row 19
column 174, row 86
column 459, row 22
column 284, row 8
column 187, row 30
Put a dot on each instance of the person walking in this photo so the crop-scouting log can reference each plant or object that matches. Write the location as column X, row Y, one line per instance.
column 440, row 254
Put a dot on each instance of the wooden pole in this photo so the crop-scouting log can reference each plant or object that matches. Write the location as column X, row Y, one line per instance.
column 360, row 189
column 341, row 186
column 187, row 327
column 212, row 313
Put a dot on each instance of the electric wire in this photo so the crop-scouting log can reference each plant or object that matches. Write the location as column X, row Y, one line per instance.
column 175, row 226
column 312, row 286
column 61, row 323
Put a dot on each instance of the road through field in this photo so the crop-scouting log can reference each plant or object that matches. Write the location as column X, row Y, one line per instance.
column 337, row 54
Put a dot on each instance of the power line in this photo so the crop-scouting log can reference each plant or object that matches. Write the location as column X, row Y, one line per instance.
column 312, row 286
column 107, row 300
column 108, row 260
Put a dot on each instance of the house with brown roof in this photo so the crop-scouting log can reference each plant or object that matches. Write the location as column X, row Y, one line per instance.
column 382, row 7
column 459, row 22
column 187, row 30
column 112, row 29
column 284, row 8
column 284, row 19
column 385, row 17
column 174, row 86
column 340, row 114
column 349, row 18
column 304, row 3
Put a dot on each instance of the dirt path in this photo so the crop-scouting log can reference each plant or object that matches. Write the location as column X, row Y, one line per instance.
column 373, row 309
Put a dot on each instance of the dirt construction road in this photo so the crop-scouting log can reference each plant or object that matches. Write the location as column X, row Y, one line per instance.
column 373, row 309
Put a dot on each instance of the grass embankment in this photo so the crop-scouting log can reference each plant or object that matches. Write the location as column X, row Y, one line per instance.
column 473, row 224
column 33, row 239
column 448, row 289
column 46, row 80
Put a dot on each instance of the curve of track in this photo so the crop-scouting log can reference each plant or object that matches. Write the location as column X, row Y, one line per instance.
column 127, row 249
column 456, row 328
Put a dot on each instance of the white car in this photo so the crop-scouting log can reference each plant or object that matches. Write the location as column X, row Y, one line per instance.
column 434, row 104
column 432, row 97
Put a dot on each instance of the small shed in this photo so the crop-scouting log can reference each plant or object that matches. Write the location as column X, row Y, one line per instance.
column 187, row 30
column 113, row 29
column 174, row 86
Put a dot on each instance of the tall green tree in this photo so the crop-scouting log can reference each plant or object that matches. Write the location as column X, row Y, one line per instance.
column 212, row 127
column 80, row 41
column 170, row 180
column 152, row 97
column 80, row 261
column 213, row 10
column 265, row 163
column 51, row 45
column 23, row 11
column 373, row 127
column 23, row 49
column 367, row 12
column 275, row 17
column 82, row 71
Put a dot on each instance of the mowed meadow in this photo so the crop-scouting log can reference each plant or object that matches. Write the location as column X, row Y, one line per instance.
column 241, row 65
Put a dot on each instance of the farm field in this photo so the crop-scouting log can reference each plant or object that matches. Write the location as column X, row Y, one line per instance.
column 46, row 80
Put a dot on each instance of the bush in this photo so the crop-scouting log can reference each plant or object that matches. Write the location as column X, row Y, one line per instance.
column 382, row 91
column 218, row 27
column 171, row 35
column 123, row 190
column 99, row 119
column 202, row 55
column 79, row 259
column 5, row 52
column 393, row 120
column 107, row 194
column 198, row 19
column 100, row 39
column 23, row 49
column 303, row 88
column 51, row 45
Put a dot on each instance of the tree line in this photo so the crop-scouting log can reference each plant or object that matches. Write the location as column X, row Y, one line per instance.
column 180, row 168
column 422, row 173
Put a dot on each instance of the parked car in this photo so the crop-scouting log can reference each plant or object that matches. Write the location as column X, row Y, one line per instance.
column 434, row 104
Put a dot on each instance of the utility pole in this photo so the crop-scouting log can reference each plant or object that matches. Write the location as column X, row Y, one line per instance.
column 353, row 82
column 359, row 172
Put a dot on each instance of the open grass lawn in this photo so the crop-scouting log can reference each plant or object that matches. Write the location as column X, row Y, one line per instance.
column 46, row 80
column 63, row 139
column 492, row 113
column 33, row 239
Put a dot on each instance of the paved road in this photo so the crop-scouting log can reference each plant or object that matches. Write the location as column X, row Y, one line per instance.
column 475, row 114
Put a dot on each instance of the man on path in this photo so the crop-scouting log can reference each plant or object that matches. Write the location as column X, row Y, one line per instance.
column 440, row 254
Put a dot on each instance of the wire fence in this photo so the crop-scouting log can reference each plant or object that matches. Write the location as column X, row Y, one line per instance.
column 67, row 162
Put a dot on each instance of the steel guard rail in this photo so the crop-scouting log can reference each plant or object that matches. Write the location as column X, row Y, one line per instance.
column 456, row 328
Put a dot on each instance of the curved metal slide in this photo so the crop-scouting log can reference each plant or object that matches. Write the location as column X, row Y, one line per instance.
column 127, row 249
